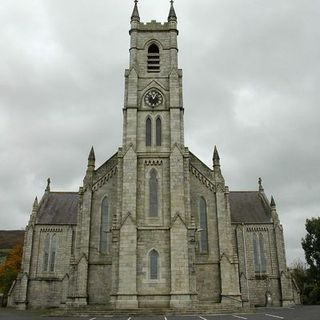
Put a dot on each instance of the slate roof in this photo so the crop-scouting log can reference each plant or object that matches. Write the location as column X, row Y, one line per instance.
column 58, row 208
column 62, row 208
column 249, row 207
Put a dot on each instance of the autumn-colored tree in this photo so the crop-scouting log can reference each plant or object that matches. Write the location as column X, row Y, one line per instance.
column 10, row 268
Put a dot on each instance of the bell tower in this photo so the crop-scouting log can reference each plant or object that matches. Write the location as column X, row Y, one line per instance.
column 154, row 212
column 153, row 107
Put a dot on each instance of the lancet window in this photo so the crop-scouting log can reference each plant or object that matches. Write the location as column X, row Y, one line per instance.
column 153, row 194
column 50, row 252
column 260, row 263
column 203, row 226
column 154, row 264
column 158, row 132
column 105, row 228
column 148, row 132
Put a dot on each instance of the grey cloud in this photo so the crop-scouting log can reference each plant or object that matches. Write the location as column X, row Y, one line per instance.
column 251, row 74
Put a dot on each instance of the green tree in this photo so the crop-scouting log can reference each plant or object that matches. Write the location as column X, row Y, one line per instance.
column 299, row 273
column 311, row 247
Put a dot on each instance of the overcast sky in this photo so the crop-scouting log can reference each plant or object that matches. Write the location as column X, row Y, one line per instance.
column 251, row 86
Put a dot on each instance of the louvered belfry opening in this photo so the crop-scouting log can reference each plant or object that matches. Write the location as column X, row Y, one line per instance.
column 153, row 58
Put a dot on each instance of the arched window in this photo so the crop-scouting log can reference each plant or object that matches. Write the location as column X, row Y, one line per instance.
column 263, row 263
column 260, row 262
column 104, row 229
column 50, row 252
column 154, row 264
column 46, row 252
column 256, row 253
column 153, row 194
column 153, row 58
column 203, row 226
column 148, row 132
column 158, row 132
column 53, row 252
column 73, row 241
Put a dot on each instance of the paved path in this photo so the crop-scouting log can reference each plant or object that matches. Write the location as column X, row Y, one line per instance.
column 296, row 313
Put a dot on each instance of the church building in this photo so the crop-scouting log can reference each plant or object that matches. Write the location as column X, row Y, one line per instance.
column 153, row 226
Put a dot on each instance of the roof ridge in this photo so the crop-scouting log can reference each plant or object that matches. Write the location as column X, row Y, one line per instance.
column 245, row 191
column 66, row 192
column 192, row 154
column 108, row 160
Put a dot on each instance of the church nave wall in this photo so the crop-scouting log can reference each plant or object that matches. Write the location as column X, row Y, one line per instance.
column 99, row 283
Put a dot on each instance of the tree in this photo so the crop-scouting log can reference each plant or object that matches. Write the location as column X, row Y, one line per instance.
column 10, row 268
column 311, row 247
column 299, row 273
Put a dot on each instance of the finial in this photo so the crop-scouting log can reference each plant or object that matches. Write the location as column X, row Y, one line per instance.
column 216, row 157
column 272, row 203
column 172, row 14
column 48, row 185
column 216, row 154
column 92, row 156
column 135, row 14
column 35, row 203
column 260, row 185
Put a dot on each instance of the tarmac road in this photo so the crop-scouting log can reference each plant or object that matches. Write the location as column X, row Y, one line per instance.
column 294, row 313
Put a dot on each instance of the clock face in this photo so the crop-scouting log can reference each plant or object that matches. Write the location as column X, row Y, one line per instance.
column 153, row 98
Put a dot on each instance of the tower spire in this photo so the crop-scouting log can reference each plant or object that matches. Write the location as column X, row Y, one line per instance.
column 35, row 203
column 216, row 157
column 135, row 14
column 91, row 160
column 92, row 155
column 172, row 13
column 272, row 202
column 216, row 166
column 274, row 213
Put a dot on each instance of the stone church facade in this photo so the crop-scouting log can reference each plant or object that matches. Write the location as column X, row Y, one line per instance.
column 153, row 226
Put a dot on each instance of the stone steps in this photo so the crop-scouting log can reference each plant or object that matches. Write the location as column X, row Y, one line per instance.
column 103, row 311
